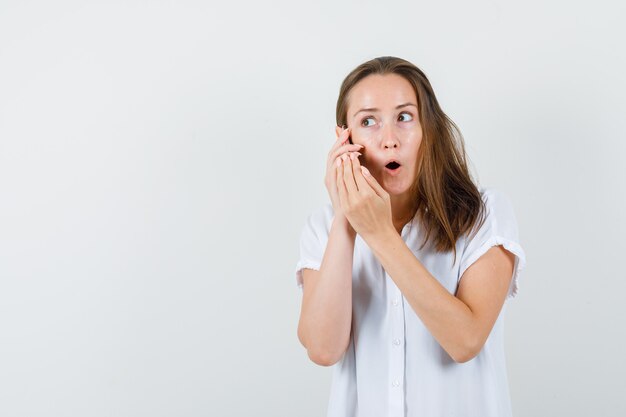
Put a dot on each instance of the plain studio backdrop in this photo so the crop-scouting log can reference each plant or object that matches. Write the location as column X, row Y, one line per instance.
column 158, row 160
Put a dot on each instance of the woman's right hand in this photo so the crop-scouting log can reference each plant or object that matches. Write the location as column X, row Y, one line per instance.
column 340, row 147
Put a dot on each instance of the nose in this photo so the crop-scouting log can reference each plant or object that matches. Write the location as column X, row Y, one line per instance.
column 389, row 139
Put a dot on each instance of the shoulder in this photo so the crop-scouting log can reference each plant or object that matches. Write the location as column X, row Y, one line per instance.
column 498, row 204
column 493, row 196
column 499, row 215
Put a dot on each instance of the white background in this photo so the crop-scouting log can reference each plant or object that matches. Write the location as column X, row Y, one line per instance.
column 158, row 160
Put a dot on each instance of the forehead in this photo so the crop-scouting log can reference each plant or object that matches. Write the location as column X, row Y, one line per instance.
column 381, row 91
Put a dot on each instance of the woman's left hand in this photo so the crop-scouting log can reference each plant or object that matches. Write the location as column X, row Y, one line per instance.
column 364, row 202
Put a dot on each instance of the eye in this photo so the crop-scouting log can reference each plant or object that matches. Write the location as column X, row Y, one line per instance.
column 408, row 114
column 367, row 118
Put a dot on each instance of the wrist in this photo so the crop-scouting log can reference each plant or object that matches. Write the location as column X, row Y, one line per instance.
column 378, row 243
column 344, row 225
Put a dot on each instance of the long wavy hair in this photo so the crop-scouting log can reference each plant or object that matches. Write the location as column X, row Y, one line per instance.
column 447, row 201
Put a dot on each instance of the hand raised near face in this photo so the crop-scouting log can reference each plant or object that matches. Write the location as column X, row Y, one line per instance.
column 340, row 147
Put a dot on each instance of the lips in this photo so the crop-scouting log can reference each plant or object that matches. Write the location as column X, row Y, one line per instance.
column 392, row 167
column 392, row 164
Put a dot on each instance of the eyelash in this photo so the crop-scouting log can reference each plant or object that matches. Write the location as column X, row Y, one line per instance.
column 369, row 117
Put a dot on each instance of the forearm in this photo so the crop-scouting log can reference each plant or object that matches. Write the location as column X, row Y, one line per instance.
column 448, row 319
column 327, row 315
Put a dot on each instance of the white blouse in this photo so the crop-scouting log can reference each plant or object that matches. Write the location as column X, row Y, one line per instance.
column 393, row 365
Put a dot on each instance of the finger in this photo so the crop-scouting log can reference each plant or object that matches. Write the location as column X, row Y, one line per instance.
column 361, row 182
column 348, row 176
column 341, row 140
column 342, row 137
column 331, row 172
column 338, row 164
column 339, row 130
column 341, row 186
column 347, row 148
column 380, row 191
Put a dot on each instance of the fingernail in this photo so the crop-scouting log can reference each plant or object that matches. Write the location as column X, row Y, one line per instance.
column 365, row 170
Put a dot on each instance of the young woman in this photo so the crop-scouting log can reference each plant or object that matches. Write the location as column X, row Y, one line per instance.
column 405, row 273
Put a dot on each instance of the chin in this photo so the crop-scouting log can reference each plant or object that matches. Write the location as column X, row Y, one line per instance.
column 397, row 193
column 398, row 185
column 395, row 189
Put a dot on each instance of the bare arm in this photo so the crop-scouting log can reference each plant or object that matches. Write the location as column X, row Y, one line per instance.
column 326, row 313
column 462, row 323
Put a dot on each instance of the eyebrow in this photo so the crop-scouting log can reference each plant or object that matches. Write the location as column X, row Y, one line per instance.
column 375, row 109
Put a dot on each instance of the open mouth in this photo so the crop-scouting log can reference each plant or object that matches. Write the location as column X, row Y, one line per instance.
column 393, row 168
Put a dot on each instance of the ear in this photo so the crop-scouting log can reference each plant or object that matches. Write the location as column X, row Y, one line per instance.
column 338, row 130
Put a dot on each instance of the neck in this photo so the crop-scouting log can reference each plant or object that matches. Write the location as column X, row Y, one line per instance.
column 402, row 211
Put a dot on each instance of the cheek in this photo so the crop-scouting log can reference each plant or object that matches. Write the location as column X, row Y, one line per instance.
column 360, row 137
column 415, row 143
column 416, row 135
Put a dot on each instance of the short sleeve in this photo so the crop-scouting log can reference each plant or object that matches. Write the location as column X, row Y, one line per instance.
column 313, row 240
column 499, row 228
